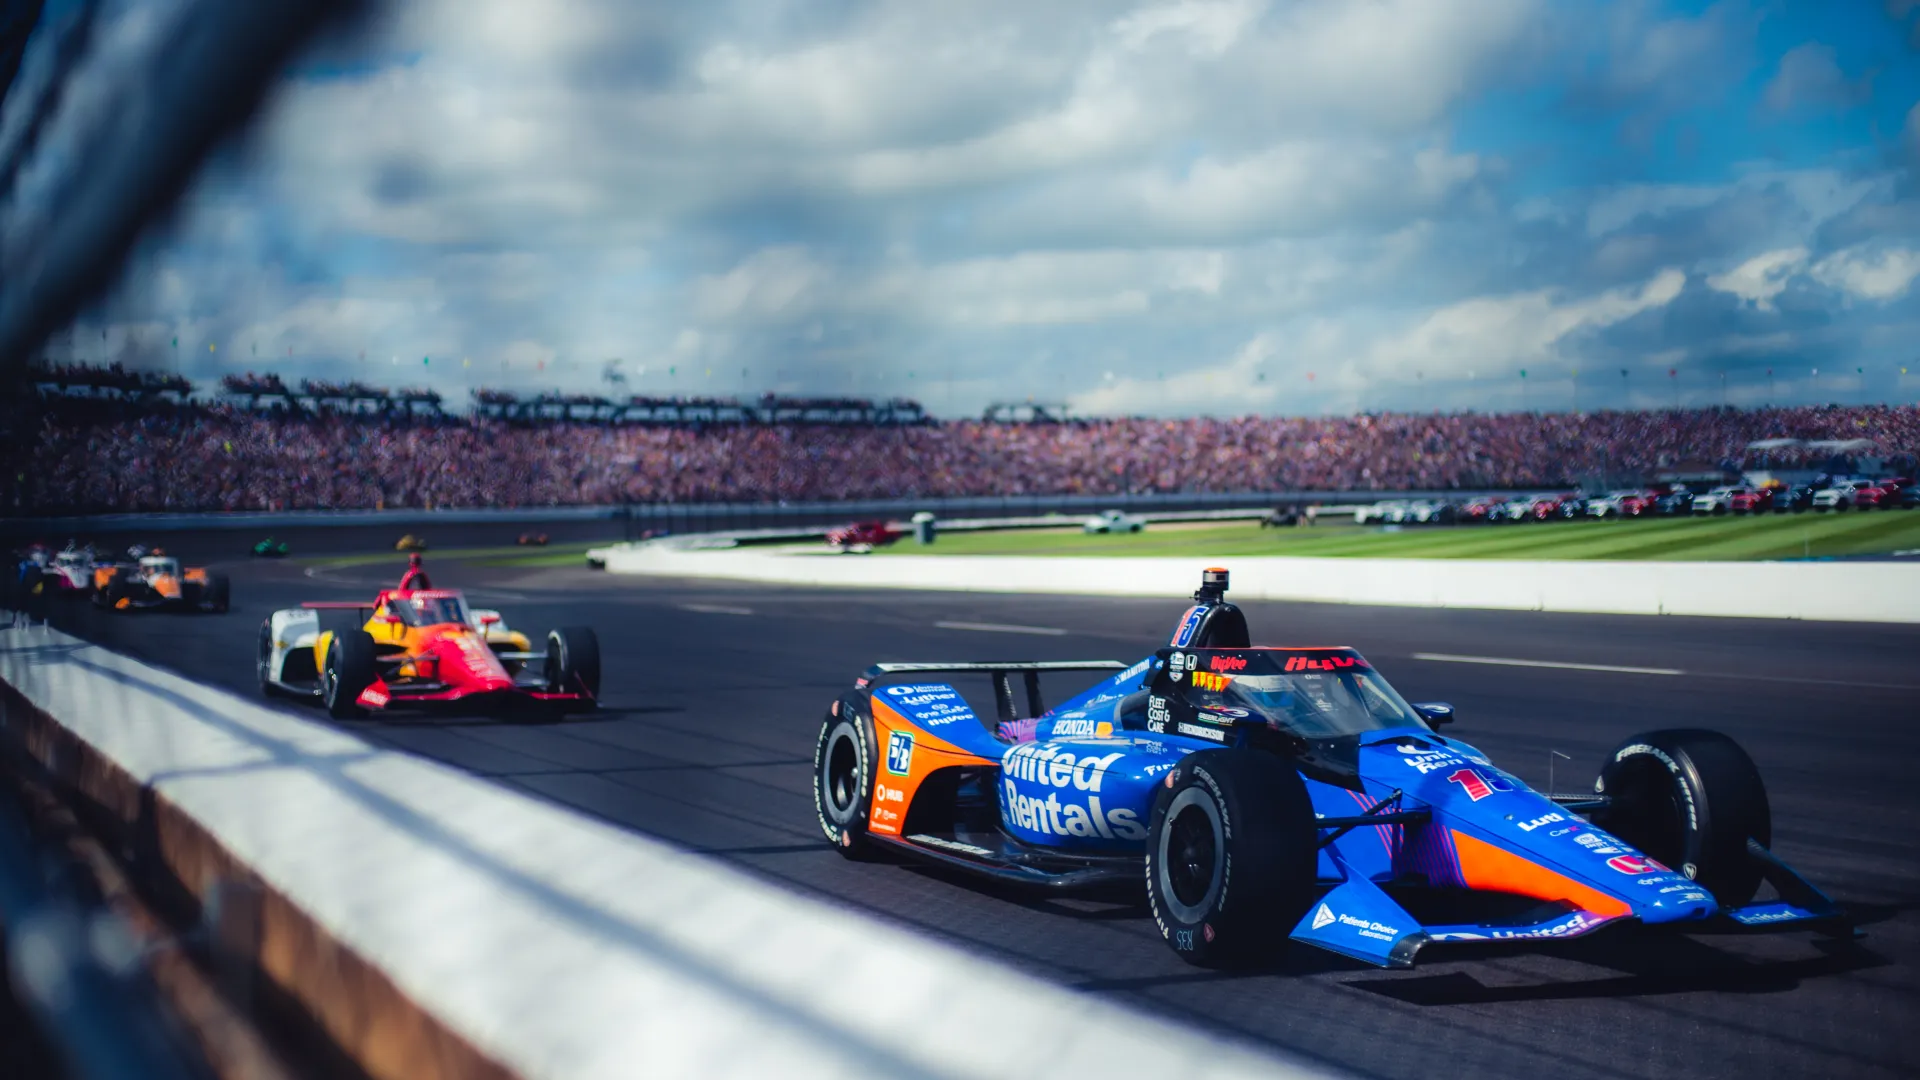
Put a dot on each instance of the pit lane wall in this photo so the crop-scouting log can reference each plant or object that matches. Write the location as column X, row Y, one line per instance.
column 436, row 925
column 1834, row 591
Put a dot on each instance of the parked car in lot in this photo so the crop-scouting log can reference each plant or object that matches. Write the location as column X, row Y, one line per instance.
column 1677, row 500
column 1432, row 512
column 1384, row 512
column 1629, row 503
column 1729, row 499
column 1838, row 496
column 1113, row 521
column 1797, row 499
column 1879, row 495
column 1480, row 511
column 1548, row 507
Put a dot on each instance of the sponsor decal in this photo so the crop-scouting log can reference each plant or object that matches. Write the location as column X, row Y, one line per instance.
column 1756, row 918
column 884, row 814
column 1177, row 665
column 1322, row 917
column 885, row 794
column 1200, row 732
column 1331, row 663
column 1157, row 715
column 1572, row 924
column 950, row 845
column 1425, row 758
column 374, row 697
column 1544, row 819
column 1601, row 844
column 900, row 752
column 1566, row 831
column 1227, row 663
column 1226, row 711
column 1079, row 777
column 1079, row 726
column 1156, row 770
column 1374, row 930
column 1479, row 785
column 1207, row 680
column 1635, row 864
column 1134, row 672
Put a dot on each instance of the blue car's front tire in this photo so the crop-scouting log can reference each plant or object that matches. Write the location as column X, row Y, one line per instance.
column 1690, row 798
column 1230, row 856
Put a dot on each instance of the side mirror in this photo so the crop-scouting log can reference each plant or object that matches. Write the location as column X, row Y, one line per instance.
column 390, row 618
column 1435, row 713
column 489, row 619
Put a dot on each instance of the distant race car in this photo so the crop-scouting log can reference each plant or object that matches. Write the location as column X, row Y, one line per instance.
column 1112, row 521
column 863, row 536
column 156, row 580
column 532, row 540
column 410, row 542
column 271, row 549
column 1267, row 793
column 423, row 647
column 70, row 571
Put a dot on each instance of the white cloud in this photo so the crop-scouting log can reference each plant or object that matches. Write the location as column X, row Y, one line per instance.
column 1809, row 75
column 1761, row 278
column 1488, row 333
column 1869, row 275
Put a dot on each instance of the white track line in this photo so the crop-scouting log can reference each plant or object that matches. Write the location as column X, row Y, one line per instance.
column 715, row 609
column 1002, row 628
column 1501, row 661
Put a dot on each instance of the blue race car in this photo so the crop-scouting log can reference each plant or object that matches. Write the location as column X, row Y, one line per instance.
column 1273, row 792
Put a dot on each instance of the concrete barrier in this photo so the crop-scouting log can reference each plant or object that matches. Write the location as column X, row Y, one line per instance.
column 1836, row 591
column 437, row 925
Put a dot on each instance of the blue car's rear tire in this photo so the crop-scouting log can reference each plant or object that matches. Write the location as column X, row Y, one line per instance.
column 1690, row 798
column 1230, row 856
column 843, row 762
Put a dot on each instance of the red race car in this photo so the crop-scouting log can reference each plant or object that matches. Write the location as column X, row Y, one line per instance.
column 421, row 646
column 863, row 536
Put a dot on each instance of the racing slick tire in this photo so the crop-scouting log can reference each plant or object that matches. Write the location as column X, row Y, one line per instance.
column 1690, row 798
column 573, row 661
column 348, row 670
column 264, row 664
column 843, row 781
column 1231, row 850
column 215, row 597
column 115, row 592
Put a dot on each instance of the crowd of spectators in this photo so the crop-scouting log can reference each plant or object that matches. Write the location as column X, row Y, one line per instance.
column 87, row 457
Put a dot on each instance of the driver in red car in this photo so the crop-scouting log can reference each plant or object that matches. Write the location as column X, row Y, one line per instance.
column 416, row 575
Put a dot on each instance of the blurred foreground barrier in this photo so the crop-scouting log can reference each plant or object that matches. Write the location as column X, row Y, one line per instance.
column 1835, row 591
column 438, row 925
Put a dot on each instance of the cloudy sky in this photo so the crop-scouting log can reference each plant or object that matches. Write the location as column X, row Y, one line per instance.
column 1199, row 206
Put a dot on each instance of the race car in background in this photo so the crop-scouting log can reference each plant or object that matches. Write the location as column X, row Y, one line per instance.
column 1268, row 793
column 157, row 581
column 862, row 537
column 270, row 548
column 70, row 571
column 423, row 647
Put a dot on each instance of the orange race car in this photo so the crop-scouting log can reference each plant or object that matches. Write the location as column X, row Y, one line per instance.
column 157, row 580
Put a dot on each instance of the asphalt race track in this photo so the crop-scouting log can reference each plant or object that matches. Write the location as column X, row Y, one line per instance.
column 714, row 694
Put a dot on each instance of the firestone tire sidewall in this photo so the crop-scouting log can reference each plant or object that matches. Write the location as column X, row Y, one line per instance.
column 1256, row 813
column 844, row 822
column 1718, row 798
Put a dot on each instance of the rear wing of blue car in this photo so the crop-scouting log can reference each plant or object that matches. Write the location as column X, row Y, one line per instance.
column 1000, row 672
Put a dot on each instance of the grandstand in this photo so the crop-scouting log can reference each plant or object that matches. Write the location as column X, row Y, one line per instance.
column 262, row 445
